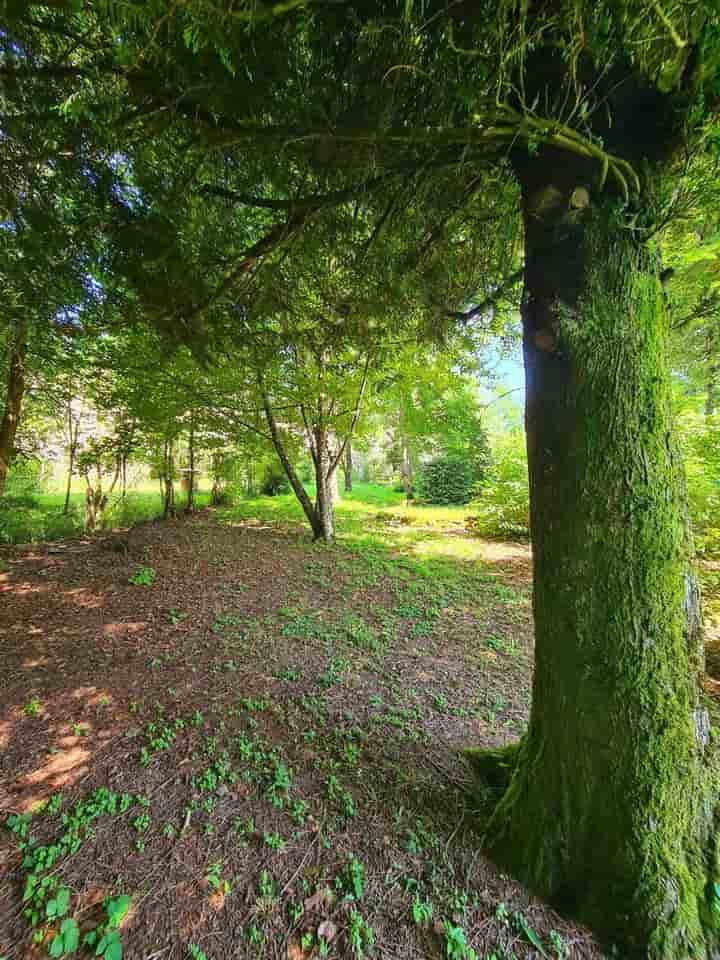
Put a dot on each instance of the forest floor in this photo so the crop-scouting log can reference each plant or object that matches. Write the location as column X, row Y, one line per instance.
column 257, row 740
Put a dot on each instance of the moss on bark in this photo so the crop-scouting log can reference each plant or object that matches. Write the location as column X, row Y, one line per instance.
column 494, row 766
column 610, row 811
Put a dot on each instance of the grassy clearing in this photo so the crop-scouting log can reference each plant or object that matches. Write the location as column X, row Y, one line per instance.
column 40, row 517
column 229, row 741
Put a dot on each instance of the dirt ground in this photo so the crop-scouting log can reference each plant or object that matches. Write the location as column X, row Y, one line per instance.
column 260, row 747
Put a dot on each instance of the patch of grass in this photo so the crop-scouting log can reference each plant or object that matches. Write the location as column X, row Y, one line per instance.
column 41, row 516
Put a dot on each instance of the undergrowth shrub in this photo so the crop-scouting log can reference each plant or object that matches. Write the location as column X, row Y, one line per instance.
column 447, row 479
column 274, row 480
column 699, row 435
column 501, row 507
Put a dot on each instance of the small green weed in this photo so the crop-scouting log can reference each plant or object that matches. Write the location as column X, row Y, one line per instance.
column 32, row 708
column 143, row 577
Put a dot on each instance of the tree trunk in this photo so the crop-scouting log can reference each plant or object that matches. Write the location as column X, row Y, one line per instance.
column 191, row 479
column 73, row 432
column 713, row 377
column 216, row 492
column 348, row 467
column 609, row 811
column 324, row 500
column 406, row 471
column 169, row 492
column 310, row 511
column 95, row 503
column 13, row 401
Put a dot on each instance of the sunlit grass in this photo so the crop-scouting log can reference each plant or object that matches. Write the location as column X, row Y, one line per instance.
column 41, row 516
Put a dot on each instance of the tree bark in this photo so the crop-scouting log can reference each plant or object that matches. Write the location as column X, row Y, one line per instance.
column 348, row 467
column 216, row 494
column 169, row 480
column 191, row 479
column 325, row 481
column 406, row 470
column 609, row 812
column 309, row 510
column 13, row 402
column 73, row 432
column 713, row 375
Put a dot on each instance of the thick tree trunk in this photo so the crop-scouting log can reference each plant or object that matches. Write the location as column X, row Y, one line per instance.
column 609, row 812
column 324, row 501
column 13, row 401
column 348, row 467
column 326, row 492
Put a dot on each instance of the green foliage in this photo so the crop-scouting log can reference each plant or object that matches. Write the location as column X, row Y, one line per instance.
column 456, row 946
column 274, row 480
column 502, row 505
column 67, row 939
column 700, row 440
column 143, row 577
column 447, row 479
column 422, row 911
column 32, row 708
column 23, row 483
column 105, row 939
column 361, row 936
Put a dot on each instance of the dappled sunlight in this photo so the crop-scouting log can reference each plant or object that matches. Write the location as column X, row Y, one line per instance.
column 82, row 597
column 119, row 628
column 35, row 662
column 61, row 770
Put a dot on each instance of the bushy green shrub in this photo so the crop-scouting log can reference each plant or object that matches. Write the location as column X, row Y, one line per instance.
column 502, row 504
column 447, row 479
column 274, row 480
column 24, row 480
column 699, row 436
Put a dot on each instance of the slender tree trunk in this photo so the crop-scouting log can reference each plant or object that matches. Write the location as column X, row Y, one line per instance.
column 299, row 490
column 348, row 467
column 169, row 493
column 406, row 470
column 609, row 812
column 13, row 401
column 73, row 432
column 216, row 492
column 123, row 476
column 713, row 378
column 91, row 508
column 191, row 456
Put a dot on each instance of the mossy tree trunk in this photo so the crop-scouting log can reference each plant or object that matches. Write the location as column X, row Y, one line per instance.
column 13, row 401
column 609, row 813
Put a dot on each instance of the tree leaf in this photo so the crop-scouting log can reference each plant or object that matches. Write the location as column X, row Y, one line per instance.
column 70, row 934
column 114, row 950
column 57, row 946
column 117, row 909
column 62, row 901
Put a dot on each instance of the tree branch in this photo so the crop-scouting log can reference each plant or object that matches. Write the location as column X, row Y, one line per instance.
column 488, row 302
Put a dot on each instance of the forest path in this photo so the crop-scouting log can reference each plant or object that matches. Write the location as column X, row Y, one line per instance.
column 276, row 713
